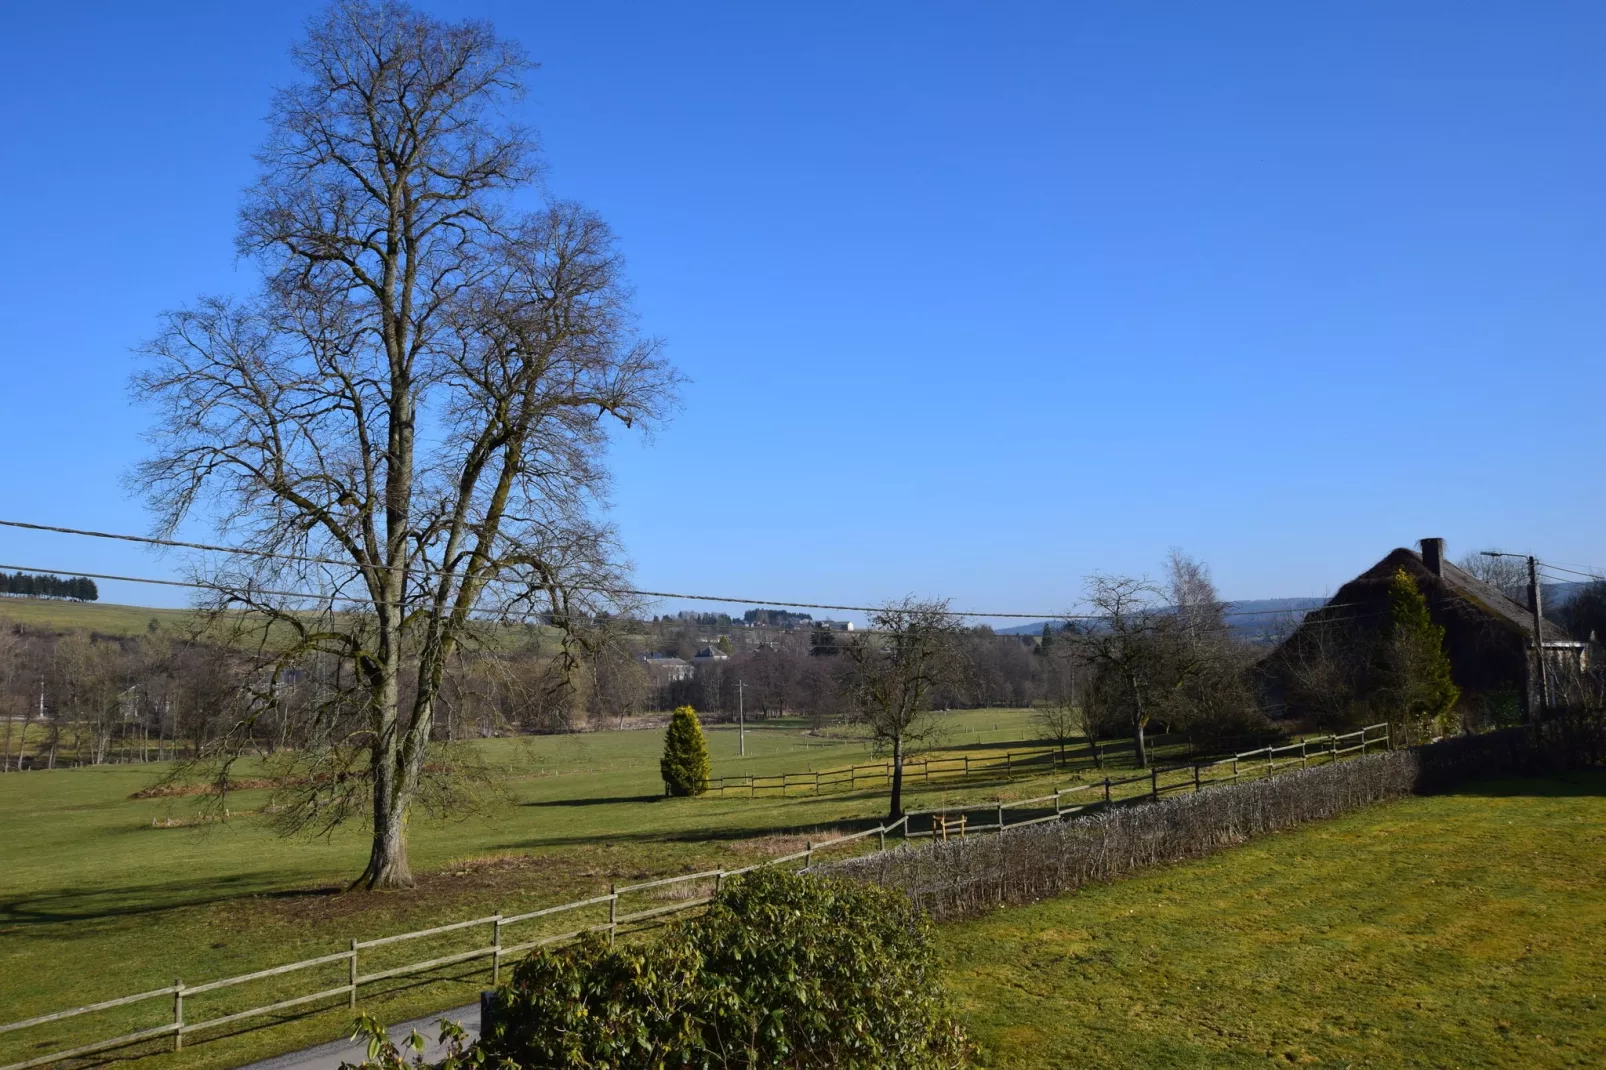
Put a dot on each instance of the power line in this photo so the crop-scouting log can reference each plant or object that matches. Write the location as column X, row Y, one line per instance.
column 425, row 570
column 1599, row 574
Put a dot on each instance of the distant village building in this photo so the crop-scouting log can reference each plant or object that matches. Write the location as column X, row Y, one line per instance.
column 708, row 655
column 1488, row 637
column 667, row 670
column 834, row 625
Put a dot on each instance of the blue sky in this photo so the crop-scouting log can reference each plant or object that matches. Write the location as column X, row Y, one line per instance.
column 974, row 299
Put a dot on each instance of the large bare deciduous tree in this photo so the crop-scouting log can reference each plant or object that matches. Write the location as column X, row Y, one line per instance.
column 413, row 409
column 912, row 649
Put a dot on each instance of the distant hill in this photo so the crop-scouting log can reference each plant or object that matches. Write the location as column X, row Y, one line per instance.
column 1253, row 618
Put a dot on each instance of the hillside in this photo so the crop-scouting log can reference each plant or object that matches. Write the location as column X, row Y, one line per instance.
column 49, row 614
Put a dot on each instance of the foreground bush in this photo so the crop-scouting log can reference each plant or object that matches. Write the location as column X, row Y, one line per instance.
column 783, row 971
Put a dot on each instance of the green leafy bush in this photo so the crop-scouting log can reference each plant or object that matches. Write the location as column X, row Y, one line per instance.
column 783, row 971
column 685, row 762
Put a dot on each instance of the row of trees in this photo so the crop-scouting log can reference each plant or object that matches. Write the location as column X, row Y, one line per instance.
column 78, row 588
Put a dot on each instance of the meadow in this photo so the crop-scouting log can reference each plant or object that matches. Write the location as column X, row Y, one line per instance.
column 1364, row 931
column 102, row 894
column 1460, row 930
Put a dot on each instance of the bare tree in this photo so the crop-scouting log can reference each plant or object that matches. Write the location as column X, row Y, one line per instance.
column 1129, row 644
column 410, row 411
column 912, row 649
column 1508, row 575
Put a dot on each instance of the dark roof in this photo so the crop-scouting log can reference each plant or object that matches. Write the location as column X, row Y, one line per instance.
column 1454, row 591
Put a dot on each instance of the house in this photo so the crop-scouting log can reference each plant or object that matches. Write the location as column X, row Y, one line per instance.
column 708, row 655
column 834, row 625
column 1489, row 637
column 667, row 670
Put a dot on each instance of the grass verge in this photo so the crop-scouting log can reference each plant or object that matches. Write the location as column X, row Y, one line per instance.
column 1464, row 930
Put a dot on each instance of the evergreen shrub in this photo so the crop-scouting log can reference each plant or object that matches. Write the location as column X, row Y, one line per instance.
column 684, row 765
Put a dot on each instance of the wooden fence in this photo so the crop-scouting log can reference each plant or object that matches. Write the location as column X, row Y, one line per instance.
column 1110, row 791
column 920, row 771
column 954, row 767
column 1152, row 784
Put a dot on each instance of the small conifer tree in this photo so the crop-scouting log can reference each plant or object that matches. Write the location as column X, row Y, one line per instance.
column 1425, row 695
column 685, row 762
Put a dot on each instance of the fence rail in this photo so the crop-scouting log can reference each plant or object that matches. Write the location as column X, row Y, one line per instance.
column 925, row 770
column 1262, row 762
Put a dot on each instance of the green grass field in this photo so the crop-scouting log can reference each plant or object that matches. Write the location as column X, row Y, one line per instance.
column 96, row 903
column 1463, row 930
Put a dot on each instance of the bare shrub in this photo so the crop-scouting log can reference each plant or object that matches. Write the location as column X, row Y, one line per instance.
column 962, row 878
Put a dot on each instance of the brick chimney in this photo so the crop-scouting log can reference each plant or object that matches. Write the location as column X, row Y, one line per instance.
column 1433, row 555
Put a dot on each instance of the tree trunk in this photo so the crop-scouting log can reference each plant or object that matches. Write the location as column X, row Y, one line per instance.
column 387, row 861
column 1142, row 745
column 6, row 766
column 897, row 779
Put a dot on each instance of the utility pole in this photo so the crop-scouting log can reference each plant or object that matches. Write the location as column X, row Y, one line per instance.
column 1536, row 603
column 741, row 719
column 1539, row 633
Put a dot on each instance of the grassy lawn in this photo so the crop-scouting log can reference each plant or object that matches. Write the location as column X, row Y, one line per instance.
column 97, row 903
column 1463, row 930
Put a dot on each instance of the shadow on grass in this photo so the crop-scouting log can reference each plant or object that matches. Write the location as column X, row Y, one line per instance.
column 76, row 907
column 601, row 800
column 1572, row 784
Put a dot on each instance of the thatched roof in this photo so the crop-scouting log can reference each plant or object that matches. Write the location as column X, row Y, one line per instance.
column 1451, row 592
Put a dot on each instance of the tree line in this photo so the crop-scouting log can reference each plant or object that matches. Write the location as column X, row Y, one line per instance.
column 30, row 585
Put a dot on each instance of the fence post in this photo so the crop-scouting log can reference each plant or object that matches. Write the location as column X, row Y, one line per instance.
column 178, row 1014
column 1056, row 802
column 1000, row 819
column 613, row 909
column 1008, row 765
column 1335, row 748
column 1106, row 791
column 881, row 833
column 1196, row 778
column 719, row 881
column 816, row 782
column 808, row 860
column 1154, row 780
column 351, row 972
column 496, row 949
column 1235, row 767
column 967, row 765
column 1269, row 763
column 1304, row 752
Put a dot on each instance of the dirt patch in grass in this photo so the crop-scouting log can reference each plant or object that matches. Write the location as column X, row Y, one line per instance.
column 785, row 844
column 171, row 791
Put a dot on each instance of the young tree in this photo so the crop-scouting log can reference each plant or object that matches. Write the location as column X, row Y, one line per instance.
column 912, row 649
column 1420, row 688
column 410, row 411
column 1129, row 645
column 684, row 765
